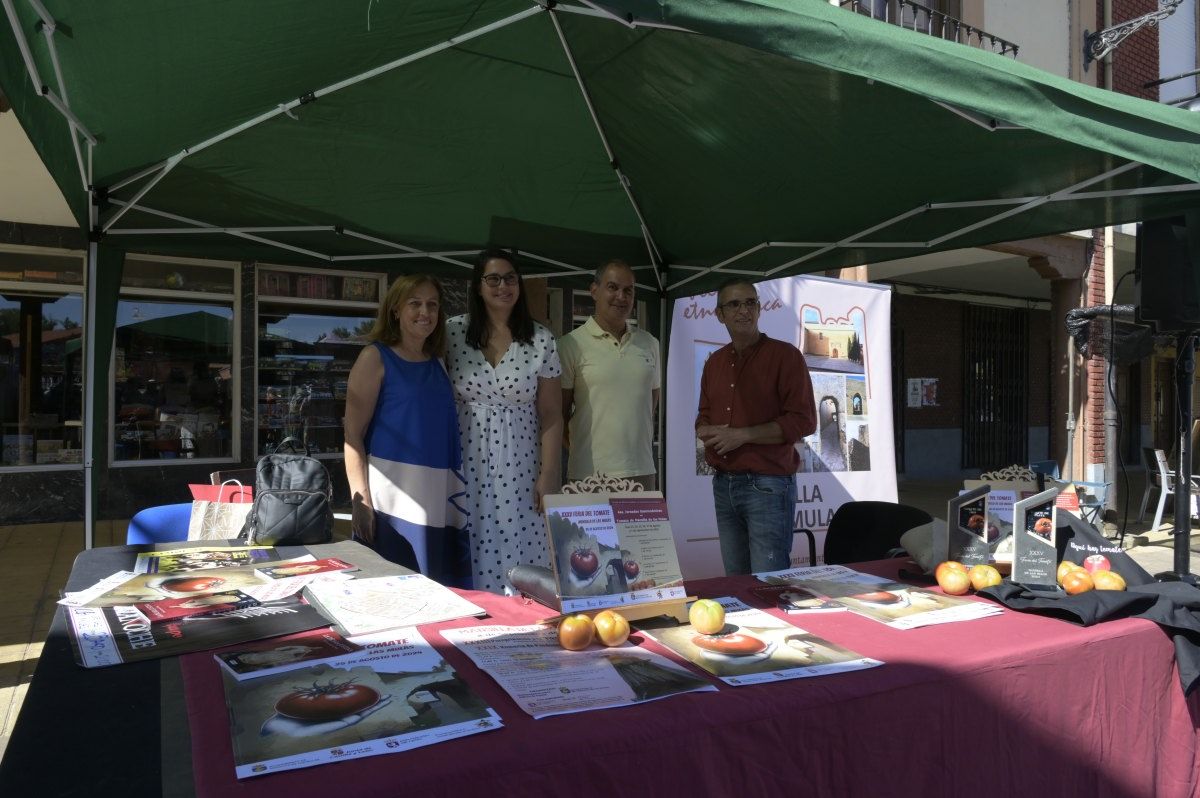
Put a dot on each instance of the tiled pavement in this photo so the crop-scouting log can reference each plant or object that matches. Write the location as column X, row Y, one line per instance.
column 35, row 560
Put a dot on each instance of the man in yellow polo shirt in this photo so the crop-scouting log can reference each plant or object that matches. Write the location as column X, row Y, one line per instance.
column 610, row 383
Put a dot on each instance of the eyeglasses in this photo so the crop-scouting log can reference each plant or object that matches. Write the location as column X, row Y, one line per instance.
column 494, row 280
column 734, row 305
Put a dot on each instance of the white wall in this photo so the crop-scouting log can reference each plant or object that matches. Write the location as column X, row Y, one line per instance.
column 1041, row 28
column 27, row 194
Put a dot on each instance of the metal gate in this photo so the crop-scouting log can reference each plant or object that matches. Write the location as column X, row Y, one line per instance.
column 995, row 383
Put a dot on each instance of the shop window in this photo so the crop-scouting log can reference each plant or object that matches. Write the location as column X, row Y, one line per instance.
column 175, row 362
column 41, row 375
column 311, row 326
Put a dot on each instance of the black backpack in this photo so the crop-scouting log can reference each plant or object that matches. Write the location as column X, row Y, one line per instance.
column 292, row 495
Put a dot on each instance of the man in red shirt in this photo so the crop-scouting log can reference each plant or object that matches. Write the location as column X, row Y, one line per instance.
column 756, row 403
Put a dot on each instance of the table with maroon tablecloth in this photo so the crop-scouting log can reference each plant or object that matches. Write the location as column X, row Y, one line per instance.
column 1010, row 705
column 1015, row 704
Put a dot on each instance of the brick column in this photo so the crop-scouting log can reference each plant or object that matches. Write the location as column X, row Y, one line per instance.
column 1095, row 370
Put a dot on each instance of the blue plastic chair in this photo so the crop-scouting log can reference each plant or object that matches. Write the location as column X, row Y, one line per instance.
column 162, row 524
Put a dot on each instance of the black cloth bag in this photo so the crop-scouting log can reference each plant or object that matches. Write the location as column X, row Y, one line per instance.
column 1175, row 606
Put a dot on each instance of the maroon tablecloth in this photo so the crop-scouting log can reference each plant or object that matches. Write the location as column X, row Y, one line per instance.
column 1010, row 705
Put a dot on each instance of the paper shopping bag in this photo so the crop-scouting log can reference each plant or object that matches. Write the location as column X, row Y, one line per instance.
column 222, row 517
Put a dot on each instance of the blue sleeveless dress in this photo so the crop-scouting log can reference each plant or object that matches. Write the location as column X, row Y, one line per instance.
column 415, row 475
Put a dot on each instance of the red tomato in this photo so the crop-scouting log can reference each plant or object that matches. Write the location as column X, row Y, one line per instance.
column 735, row 644
column 1096, row 562
column 632, row 569
column 584, row 562
column 575, row 632
column 325, row 702
column 191, row 584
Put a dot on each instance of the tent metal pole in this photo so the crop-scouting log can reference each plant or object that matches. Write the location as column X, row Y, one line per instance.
column 49, row 27
column 723, row 263
column 23, row 45
column 987, row 123
column 843, row 242
column 91, row 282
column 651, row 247
column 73, row 120
column 403, row 255
column 1066, row 192
column 151, row 183
column 149, row 170
column 150, row 231
column 596, row 11
column 403, row 248
column 205, row 227
column 553, row 262
column 1131, row 192
column 287, row 107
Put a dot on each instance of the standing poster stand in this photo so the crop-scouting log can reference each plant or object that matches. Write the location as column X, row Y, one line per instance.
column 1035, row 550
column 615, row 551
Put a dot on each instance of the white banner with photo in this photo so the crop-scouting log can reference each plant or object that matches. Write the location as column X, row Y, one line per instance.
column 844, row 330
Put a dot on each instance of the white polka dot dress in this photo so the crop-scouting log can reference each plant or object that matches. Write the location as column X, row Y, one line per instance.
column 498, row 423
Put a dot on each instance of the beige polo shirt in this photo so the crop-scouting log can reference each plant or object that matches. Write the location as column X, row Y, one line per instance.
column 612, row 429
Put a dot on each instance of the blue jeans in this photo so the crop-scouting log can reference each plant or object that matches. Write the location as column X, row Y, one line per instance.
column 754, row 521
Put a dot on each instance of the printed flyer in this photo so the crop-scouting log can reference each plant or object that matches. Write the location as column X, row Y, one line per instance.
column 381, row 700
column 194, row 559
column 755, row 647
column 609, row 550
column 895, row 604
column 545, row 679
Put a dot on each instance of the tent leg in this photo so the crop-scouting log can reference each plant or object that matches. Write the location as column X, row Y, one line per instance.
column 91, row 282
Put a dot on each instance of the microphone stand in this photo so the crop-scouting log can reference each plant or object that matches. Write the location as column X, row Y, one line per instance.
column 1185, row 367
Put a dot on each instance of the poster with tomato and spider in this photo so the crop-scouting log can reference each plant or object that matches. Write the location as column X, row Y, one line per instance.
column 380, row 701
column 612, row 549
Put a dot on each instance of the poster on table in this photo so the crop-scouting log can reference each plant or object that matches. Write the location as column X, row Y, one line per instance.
column 844, row 330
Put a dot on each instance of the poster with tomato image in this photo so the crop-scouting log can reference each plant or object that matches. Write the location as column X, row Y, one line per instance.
column 612, row 549
column 755, row 647
column 178, row 584
column 376, row 702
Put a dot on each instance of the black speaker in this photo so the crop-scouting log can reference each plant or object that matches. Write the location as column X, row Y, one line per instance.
column 1167, row 273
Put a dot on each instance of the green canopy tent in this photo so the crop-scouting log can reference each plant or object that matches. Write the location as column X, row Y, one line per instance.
column 695, row 138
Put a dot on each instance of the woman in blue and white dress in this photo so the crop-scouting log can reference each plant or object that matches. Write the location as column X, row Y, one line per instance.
column 403, row 458
column 505, row 371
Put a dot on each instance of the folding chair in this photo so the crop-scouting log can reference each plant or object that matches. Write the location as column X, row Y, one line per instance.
column 162, row 524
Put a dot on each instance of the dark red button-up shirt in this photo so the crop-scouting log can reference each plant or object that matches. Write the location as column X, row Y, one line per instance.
column 767, row 382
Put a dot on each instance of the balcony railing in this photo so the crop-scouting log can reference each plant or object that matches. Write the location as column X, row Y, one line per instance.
column 923, row 19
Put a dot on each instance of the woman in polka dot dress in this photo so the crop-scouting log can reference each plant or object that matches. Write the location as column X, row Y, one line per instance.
column 505, row 370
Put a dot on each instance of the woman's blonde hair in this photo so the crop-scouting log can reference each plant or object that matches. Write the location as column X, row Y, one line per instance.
column 387, row 326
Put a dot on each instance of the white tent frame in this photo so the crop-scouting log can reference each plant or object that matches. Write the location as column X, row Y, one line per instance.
column 391, row 250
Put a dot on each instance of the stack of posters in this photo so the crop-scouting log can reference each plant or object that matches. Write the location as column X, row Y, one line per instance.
column 111, row 635
column 167, row 610
column 394, row 695
column 794, row 600
column 544, row 679
column 280, row 654
column 755, row 647
column 363, row 606
column 199, row 558
column 895, row 604
column 612, row 550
